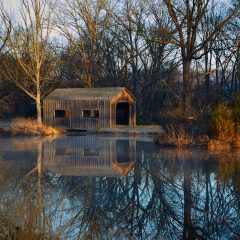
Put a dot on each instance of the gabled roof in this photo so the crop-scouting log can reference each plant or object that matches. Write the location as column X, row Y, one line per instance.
column 85, row 93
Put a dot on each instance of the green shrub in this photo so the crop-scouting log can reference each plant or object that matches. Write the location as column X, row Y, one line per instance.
column 222, row 122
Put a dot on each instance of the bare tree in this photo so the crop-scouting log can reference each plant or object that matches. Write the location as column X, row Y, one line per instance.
column 187, row 16
column 5, row 31
column 83, row 23
column 29, row 45
column 5, row 27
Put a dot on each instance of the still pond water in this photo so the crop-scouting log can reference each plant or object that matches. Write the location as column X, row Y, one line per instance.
column 102, row 187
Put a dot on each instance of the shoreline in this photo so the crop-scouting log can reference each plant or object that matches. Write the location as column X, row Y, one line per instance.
column 171, row 138
column 31, row 128
column 211, row 145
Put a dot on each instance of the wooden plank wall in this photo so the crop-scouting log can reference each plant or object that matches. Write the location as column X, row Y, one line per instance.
column 49, row 108
column 107, row 112
column 76, row 120
column 73, row 152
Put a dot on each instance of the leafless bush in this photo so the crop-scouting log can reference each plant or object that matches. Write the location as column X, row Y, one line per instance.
column 176, row 137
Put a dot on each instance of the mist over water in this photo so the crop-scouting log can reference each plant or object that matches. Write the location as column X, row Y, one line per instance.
column 103, row 187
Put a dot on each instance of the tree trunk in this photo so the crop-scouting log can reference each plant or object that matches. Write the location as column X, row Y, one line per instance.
column 237, row 67
column 91, row 67
column 39, row 110
column 38, row 96
column 187, row 87
column 207, row 75
column 217, row 76
column 89, row 80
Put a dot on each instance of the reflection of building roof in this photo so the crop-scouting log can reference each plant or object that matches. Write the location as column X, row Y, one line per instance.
column 115, row 170
column 85, row 93
column 124, row 168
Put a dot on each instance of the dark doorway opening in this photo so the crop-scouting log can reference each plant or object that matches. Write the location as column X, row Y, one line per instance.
column 122, row 113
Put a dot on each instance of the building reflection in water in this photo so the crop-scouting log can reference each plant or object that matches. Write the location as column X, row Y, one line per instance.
column 90, row 156
column 170, row 193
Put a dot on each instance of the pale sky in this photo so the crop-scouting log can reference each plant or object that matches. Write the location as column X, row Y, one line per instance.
column 12, row 6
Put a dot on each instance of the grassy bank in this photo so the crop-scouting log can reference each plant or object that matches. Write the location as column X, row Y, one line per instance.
column 179, row 137
column 217, row 129
column 28, row 127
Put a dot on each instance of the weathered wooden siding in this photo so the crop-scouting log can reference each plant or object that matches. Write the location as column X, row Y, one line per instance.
column 106, row 107
column 49, row 108
column 77, row 121
column 72, row 151
column 66, row 156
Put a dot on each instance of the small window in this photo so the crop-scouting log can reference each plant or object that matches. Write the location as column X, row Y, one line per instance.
column 86, row 113
column 95, row 113
column 91, row 113
column 62, row 151
column 68, row 114
column 62, row 114
column 93, row 152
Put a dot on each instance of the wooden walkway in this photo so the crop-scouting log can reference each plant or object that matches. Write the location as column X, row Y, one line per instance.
column 138, row 130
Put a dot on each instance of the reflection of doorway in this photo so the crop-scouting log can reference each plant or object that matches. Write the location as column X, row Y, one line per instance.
column 122, row 113
column 123, row 151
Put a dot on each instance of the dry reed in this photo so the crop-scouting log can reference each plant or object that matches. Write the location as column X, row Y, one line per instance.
column 218, row 145
column 176, row 138
column 28, row 126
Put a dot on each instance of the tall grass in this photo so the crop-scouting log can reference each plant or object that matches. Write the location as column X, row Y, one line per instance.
column 176, row 137
column 28, row 126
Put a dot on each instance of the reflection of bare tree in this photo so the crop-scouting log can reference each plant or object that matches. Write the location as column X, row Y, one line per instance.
column 32, row 200
column 171, row 194
column 39, row 187
column 24, row 212
column 188, row 230
column 27, row 214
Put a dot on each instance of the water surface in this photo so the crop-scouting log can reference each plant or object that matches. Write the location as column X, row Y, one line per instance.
column 102, row 187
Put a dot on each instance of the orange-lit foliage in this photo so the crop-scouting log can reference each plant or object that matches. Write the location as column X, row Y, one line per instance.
column 222, row 122
column 176, row 137
column 28, row 126
column 226, row 168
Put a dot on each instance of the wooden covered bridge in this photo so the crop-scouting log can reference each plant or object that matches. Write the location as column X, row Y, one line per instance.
column 89, row 108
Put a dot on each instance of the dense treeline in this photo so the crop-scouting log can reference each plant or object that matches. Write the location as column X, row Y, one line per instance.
column 178, row 58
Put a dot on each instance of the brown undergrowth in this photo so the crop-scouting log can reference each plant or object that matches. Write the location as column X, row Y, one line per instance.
column 29, row 127
column 175, row 137
column 178, row 137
